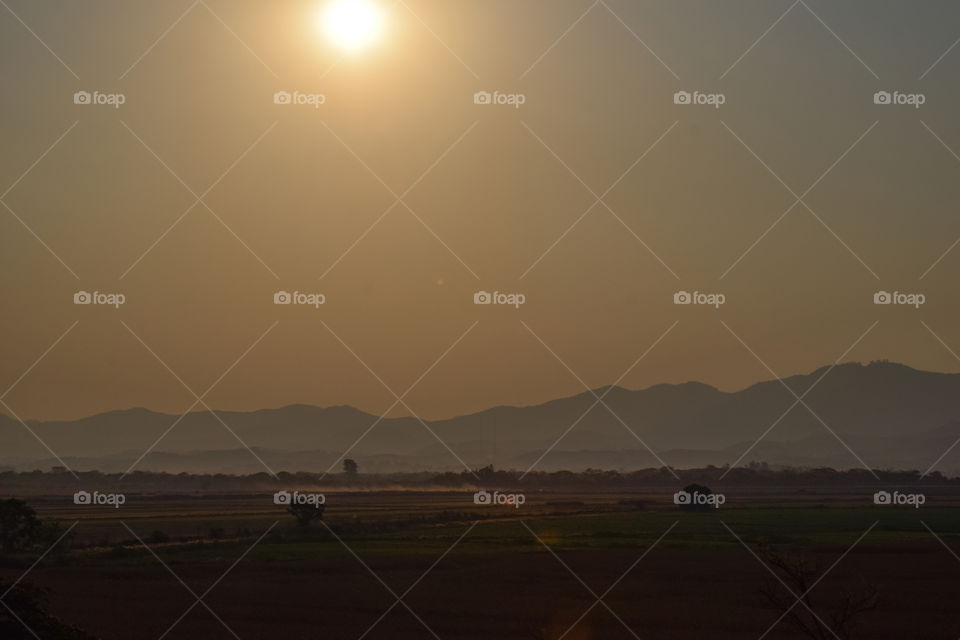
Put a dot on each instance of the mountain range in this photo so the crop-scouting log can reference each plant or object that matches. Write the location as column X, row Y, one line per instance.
column 882, row 415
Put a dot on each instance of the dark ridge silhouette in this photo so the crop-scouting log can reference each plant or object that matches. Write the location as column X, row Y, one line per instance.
column 890, row 415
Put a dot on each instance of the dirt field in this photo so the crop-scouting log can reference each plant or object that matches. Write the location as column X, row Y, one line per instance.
column 517, row 573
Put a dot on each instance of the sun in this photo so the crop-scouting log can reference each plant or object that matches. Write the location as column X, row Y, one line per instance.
column 352, row 24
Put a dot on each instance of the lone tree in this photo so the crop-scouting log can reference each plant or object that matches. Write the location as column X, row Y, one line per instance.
column 693, row 490
column 20, row 528
column 805, row 615
column 350, row 467
column 22, row 531
column 306, row 514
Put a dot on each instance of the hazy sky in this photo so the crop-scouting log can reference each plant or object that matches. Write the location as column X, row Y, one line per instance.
column 297, row 199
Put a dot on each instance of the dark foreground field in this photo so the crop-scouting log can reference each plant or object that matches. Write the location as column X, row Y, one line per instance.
column 572, row 566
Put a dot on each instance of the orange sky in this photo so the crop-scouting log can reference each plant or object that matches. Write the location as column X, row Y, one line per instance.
column 306, row 199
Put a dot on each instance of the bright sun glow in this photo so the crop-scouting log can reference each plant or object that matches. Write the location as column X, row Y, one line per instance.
column 352, row 24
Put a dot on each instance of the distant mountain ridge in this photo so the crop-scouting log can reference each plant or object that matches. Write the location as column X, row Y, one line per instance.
column 889, row 414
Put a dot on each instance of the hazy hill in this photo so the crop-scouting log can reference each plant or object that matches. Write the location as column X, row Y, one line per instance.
column 889, row 414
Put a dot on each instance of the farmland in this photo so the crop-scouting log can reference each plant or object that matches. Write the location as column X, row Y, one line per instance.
column 483, row 571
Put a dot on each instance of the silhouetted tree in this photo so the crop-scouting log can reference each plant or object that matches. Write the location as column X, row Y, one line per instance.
column 806, row 616
column 486, row 474
column 32, row 620
column 350, row 467
column 306, row 514
column 20, row 528
column 693, row 489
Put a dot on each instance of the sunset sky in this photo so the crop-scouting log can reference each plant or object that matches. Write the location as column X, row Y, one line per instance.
column 199, row 198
